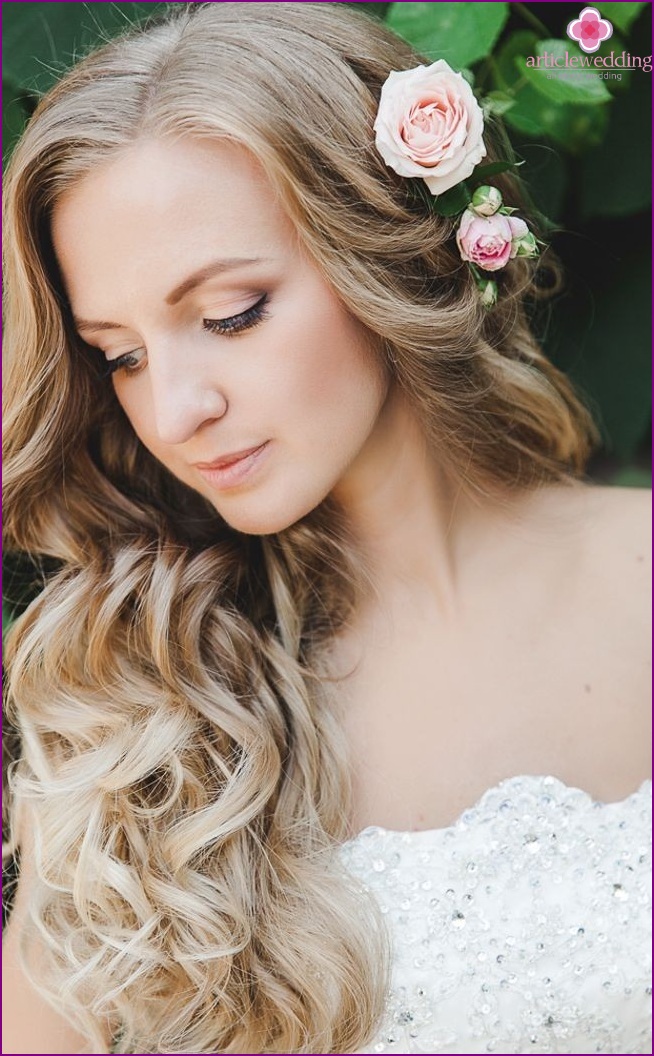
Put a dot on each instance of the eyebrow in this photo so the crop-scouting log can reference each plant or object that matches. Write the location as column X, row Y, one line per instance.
column 202, row 275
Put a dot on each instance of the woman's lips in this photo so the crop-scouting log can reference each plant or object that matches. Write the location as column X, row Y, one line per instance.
column 234, row 472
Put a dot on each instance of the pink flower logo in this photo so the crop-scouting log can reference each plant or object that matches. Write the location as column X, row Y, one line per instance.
column 590, row 29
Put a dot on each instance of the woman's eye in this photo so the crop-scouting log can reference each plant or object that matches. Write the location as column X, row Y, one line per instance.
column 235, row 324
column 129, row 362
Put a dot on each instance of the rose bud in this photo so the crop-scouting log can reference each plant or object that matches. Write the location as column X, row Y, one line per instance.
column 525, row 245
column 486, row 201
column 488, row 294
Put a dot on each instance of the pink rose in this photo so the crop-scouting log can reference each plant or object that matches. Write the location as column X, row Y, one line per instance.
column 430, row 125
column 489, row 241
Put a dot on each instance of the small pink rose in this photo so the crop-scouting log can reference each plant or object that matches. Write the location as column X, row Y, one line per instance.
column 489, row 241
column 430, row 125
column 518, row 228
column 485, row 241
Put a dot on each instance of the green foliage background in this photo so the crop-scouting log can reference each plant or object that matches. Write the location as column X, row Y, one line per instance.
column 586, row 148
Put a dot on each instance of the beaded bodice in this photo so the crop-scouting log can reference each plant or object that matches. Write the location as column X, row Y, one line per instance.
column 523, row 927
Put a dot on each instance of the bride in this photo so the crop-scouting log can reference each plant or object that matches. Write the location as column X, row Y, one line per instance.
column 335, row 713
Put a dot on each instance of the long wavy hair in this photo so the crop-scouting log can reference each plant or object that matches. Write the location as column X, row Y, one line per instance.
column 182, row 757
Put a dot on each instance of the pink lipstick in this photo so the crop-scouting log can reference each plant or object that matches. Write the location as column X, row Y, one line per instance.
column 234, row 468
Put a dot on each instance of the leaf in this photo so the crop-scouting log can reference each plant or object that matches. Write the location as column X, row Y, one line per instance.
column 564, row 85
column 522, row 42
column 497, row 103
column 459, row 33
column 7, row 617
column 452, row 202
column 492, row 169
column 616, row 175
column 41, row 40
column 574, row 126
column 616, row 80
column 621, row 15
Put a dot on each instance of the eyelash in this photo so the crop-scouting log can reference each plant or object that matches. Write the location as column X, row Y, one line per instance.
column 229, row 327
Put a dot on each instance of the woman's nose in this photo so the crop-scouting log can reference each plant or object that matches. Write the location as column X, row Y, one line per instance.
column 185, row 395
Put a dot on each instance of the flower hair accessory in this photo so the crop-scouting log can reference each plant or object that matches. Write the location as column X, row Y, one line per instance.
column 429, row 126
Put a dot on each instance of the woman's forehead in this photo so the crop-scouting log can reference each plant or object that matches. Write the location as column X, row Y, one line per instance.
column 155, row 174
column 164, row 203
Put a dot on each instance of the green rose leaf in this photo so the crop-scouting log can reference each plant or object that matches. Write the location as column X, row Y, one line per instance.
column 621, row 15
column 492, row 169
column 497, row 103
column 452, row 202
column 564, row 85
column 459, row 33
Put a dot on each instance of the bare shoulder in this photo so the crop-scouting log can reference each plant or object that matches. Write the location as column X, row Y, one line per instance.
column 623, row 516
column 615, row 582
column 618, row 540
column 600, row 535
column 615, row 549
column 616, row 592
column 603, row 582
column 611, row 525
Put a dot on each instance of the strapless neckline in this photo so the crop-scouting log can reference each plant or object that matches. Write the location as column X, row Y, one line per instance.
column 524, row 926
column 544, row 782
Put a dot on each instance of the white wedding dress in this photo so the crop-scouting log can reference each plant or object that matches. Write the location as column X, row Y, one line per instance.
column 523, row 927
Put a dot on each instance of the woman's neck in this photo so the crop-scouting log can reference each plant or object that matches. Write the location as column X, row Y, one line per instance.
column 411, row 522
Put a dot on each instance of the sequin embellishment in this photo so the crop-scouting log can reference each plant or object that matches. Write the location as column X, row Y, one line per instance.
column 524, row 927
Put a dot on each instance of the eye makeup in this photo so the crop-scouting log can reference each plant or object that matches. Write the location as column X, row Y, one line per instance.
column 235, row 324
column 228, row 327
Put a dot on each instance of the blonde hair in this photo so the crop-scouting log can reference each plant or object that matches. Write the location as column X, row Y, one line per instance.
column 184, row 764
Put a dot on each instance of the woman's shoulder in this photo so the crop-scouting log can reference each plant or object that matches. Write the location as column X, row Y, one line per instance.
column 623, row 513
column 599, row 571
column 617, row 535
column 593, row 536
column 601, row 581
column 617, row 604
column 611, row 526
column 614, row 548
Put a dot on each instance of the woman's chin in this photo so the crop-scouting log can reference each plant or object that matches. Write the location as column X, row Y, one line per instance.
column 262, row 522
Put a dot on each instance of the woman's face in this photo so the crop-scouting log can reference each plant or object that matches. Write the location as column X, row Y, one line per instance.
column 181, row 265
